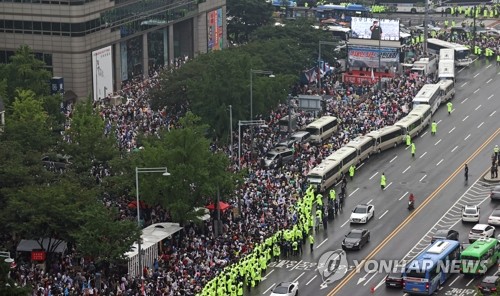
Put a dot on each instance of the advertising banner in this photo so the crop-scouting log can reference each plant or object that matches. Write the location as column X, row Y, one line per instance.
column 215, row 32
column 102, row 72
column 375, row 29
column 368, row 57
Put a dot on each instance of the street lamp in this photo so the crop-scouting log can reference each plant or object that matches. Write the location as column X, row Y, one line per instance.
column 263, row 72
column 7, row 257
column 158, row 170
column 319, row 58
column 240, row 124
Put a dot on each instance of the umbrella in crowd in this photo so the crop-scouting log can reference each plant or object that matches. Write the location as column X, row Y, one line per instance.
column 222, row 206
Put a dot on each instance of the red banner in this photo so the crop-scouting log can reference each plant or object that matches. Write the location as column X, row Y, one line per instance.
column 38, row 255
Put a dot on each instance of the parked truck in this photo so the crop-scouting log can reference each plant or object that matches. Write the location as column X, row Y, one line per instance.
column 446, row 70
column 425, row 66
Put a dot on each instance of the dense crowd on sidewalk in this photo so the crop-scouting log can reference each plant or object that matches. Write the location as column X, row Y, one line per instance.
column 265, row 198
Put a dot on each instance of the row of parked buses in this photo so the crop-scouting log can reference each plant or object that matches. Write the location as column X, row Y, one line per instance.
column 331, row 169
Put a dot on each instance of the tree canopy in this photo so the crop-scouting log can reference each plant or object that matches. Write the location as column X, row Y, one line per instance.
column 245, row 16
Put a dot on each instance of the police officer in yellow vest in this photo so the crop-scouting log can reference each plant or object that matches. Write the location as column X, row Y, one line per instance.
column 433, row 128
column 352, row 168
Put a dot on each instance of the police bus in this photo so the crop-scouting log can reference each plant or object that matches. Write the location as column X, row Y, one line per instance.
column 386, row 137
column 345, row 157
column 479, row 256
column 322, row 128
column 447, row 90
column 462, row 53
column 423, row 112
column 431, row 268
column 429, row 94
column 363, row 145
column 324, row 175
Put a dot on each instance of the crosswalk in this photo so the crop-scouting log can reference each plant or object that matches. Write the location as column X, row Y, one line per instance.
column 476, row 194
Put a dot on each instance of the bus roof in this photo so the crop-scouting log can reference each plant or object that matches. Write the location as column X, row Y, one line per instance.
column 479, row 247
column 443, row 84
column 321, row 169
column 321, row 121
column 434, row 253
column 406, row 121
column 420, row 110
column 357, row 142
column 341, row 153
column 356, row 7
column 426, row 92
column 446, row 44
column 385, row 129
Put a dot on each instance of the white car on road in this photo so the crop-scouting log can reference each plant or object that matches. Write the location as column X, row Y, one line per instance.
column 362, row 213
column 480, row 231
column 286, row 289
column 494, row 218
column 470, row 213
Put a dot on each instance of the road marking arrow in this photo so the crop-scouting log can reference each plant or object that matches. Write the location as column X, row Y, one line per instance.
column 360, row 280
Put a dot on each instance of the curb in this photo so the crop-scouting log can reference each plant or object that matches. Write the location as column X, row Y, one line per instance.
column 487, row 178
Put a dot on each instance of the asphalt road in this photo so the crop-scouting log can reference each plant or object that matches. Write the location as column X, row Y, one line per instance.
column 438, row 158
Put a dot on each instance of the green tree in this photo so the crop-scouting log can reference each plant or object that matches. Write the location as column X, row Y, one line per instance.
column 196, row 172
column 246, row 16
column 103, row 236
column 8, row 286
column 25, row 72
column 28, row 123
column 89, row 145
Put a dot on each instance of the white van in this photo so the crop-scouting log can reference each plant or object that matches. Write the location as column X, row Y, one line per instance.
column 321, row 129
column 324, row 175
column 364, row 146
column 447, row 90
column 424, row 112
column 387, row 137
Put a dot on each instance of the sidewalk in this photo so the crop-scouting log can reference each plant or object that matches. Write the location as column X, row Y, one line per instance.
column 487, row 178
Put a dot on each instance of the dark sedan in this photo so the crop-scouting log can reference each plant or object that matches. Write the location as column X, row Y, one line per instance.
column 394, row 280
column 495, row 192
column 445, row 234
column 489, row 285
column 356, row 239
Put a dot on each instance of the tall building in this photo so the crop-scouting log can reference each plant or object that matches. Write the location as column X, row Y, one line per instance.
column 95, row 45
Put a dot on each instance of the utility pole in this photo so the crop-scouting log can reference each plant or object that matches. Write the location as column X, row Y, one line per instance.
column 426, row 18
column 379, row 58
column 474, row 30
column 231, row 127
column 289, row 117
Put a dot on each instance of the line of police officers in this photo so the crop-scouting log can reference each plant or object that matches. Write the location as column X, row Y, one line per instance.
column 287, row 242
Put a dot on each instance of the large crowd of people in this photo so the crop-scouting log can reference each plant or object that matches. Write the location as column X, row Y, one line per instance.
column 264, row 200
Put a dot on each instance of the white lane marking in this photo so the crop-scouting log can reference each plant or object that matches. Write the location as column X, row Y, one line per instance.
column 470, row 282
column 403, row 196
column 362, row 164
column 272, row 286
column 451, row 130
column 465, row 118
column 440, row 162
column 476, row 90
column 322, row 243
column 344, row 223
column 453, row 150
column 423, row 154
column 380, row 284
column 478, row 107
column 454, row 281
column 464, row 100
column 354, row 192
column 369, row 201
column 488, row 66
column 311, row 280
column 394, row 158
column 423, row 178
column 489, row 80
column 490, row 97
column 437, row 142
column 480, row 124
column 439, row 121
column 407, row 147
column 373, row 176
column 463, row 84
column 381, row 216
column 477, row 74
column 493, row 113
column 295, row 266
column 374, row 274
column 388, row 186
column 299, row 277
column 423, row 135
column 461, row 70
column 407, row 169
column 467, row 137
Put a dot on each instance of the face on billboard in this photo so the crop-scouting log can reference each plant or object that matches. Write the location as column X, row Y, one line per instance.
column 375, row 29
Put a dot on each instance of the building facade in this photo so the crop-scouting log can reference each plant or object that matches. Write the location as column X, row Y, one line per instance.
column 96, row 45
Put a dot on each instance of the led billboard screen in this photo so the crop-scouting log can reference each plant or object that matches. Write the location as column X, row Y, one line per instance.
column 215, row 30
column 375, row 29
column 368, row 56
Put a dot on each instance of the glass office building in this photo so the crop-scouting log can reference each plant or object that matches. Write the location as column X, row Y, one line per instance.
column 96, row 45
